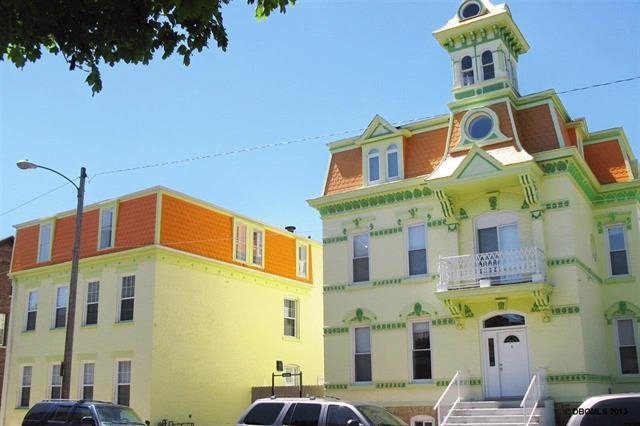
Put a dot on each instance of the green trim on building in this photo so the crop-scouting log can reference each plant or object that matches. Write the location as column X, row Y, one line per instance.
column 565, row 310
column 436, row 223
column 374, row 200
column 577, row 378
column 471, row 381
column 577, row 262
column 336, row 330
column 552, row 205
column 386, row 231
column 443, row 321
column 337, row 287
column 391, row 281
column 391, row 385
column 389, row 326
column 333, row 240
column 336, row 386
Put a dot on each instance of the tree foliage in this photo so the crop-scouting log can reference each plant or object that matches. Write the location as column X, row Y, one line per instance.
column 89, row 33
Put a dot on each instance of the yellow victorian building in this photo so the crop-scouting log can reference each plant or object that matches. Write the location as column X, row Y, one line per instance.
column 182, row 308
column 488, row 254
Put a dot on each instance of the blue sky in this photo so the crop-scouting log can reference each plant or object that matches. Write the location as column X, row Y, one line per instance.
column 294, row 82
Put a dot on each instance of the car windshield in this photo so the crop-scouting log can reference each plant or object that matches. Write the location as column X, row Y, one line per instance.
column 117, row 415
column 378, row 416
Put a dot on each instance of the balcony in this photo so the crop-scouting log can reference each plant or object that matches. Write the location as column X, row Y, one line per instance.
column 524, row 265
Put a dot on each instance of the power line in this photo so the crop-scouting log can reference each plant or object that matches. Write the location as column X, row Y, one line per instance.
column 277, row 144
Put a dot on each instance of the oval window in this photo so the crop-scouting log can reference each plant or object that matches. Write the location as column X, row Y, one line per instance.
column 480, row 126
column 470, row 10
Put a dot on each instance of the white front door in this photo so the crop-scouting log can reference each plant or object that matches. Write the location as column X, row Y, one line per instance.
column 506, row 360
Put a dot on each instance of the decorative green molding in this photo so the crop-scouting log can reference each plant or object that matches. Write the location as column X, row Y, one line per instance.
column 622, row 308
column 577, row 378
column 471, row 381
column 391, row 281
column 567, row 165
column 336, row 330
column 392, row 385
column 333, row 240
column 443, row 321
column 336, row 386
column 387, row 231
column 565, row 310
column 623, row 218
column 493, row 202
column 577, row 262
column 556, row 204
column 437, row 222
column 389, row 326
column 374, row 201
column 337, row 287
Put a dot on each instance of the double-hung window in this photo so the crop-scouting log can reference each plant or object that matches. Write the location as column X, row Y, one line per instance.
column 393, row 169
column 55, row 392
column 44, row 242
column 127, row 297
column 467, row 71
column 62, row 297
column 32, row 310
column 123, row 383
column 373, row 160
column 93, row 298
column 88, row 380
column 488, row 71
column 25, row 386
column 627, row 345
column 249, row 244
column 618, row 259
column 303, row 261
column 290, row 317
column 361, row 257
column 417, row 250
column 421, row 350
column 106, row 227
column 362, row 355
column 3, row 328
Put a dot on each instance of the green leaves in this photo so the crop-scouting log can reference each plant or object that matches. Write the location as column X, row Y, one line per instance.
column 111, row 31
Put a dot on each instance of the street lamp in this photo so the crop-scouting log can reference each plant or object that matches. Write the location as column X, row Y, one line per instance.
column 73, row 282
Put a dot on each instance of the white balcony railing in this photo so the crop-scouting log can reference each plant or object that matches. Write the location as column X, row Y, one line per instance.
column 496, row 267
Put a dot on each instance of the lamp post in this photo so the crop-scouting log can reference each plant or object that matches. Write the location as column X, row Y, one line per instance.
column 73, row 281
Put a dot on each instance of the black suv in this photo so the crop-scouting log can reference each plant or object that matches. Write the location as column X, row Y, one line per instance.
column 64, row 412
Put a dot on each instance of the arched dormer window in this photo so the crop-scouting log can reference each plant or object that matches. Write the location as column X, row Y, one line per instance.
column 374, row 165
column 393, row 171
column 488, row 71
column 467, row 71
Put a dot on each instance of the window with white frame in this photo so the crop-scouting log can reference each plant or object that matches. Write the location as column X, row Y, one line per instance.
column 123, row 383
column 249, row 244
column 466, row 67
column 88, row 380
column 62, row 297
column 25, row 386
column 627, row 345
column 107, row 216
column 127, row 297
column 3, row 327
column 291, row 377
column 373, row 160
column 488, row 70
column 417, row 249
column 362, row 354
column 32, row 310
column 393, row 165
column 422, row 420
column 290, row 317
column 421, row 350
column 55, row 390
column 361, row 257
column 303, row 260
column 618, row 260
column 93, row 299
column 44, row 242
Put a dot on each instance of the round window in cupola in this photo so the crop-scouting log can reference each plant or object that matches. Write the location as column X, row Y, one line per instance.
column 470, row 9
column 479, row 126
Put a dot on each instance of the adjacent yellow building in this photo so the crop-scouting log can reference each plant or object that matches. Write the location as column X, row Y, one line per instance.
column 182, row 308
column 500, row 240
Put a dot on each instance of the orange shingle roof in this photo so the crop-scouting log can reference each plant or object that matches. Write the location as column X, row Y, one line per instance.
column 345, row 171
column 607, row 162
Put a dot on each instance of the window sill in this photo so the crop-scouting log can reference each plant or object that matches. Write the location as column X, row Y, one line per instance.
column 293, row 339
column 88, row 326
column 419, row 279
column 620, row 279
column 363, row 385
column 124, row 323
column 419, row 382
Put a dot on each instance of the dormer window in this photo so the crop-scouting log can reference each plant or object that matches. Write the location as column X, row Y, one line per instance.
column 470, row 9
column 467, row 71
column 374, row 166
column 488, row 71
column 392, row 162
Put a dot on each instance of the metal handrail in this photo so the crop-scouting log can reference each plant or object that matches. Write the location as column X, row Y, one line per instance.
column 455, row 380
column 533, row 389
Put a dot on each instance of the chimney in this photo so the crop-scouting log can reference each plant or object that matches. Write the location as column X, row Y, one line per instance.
column 290, row 228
